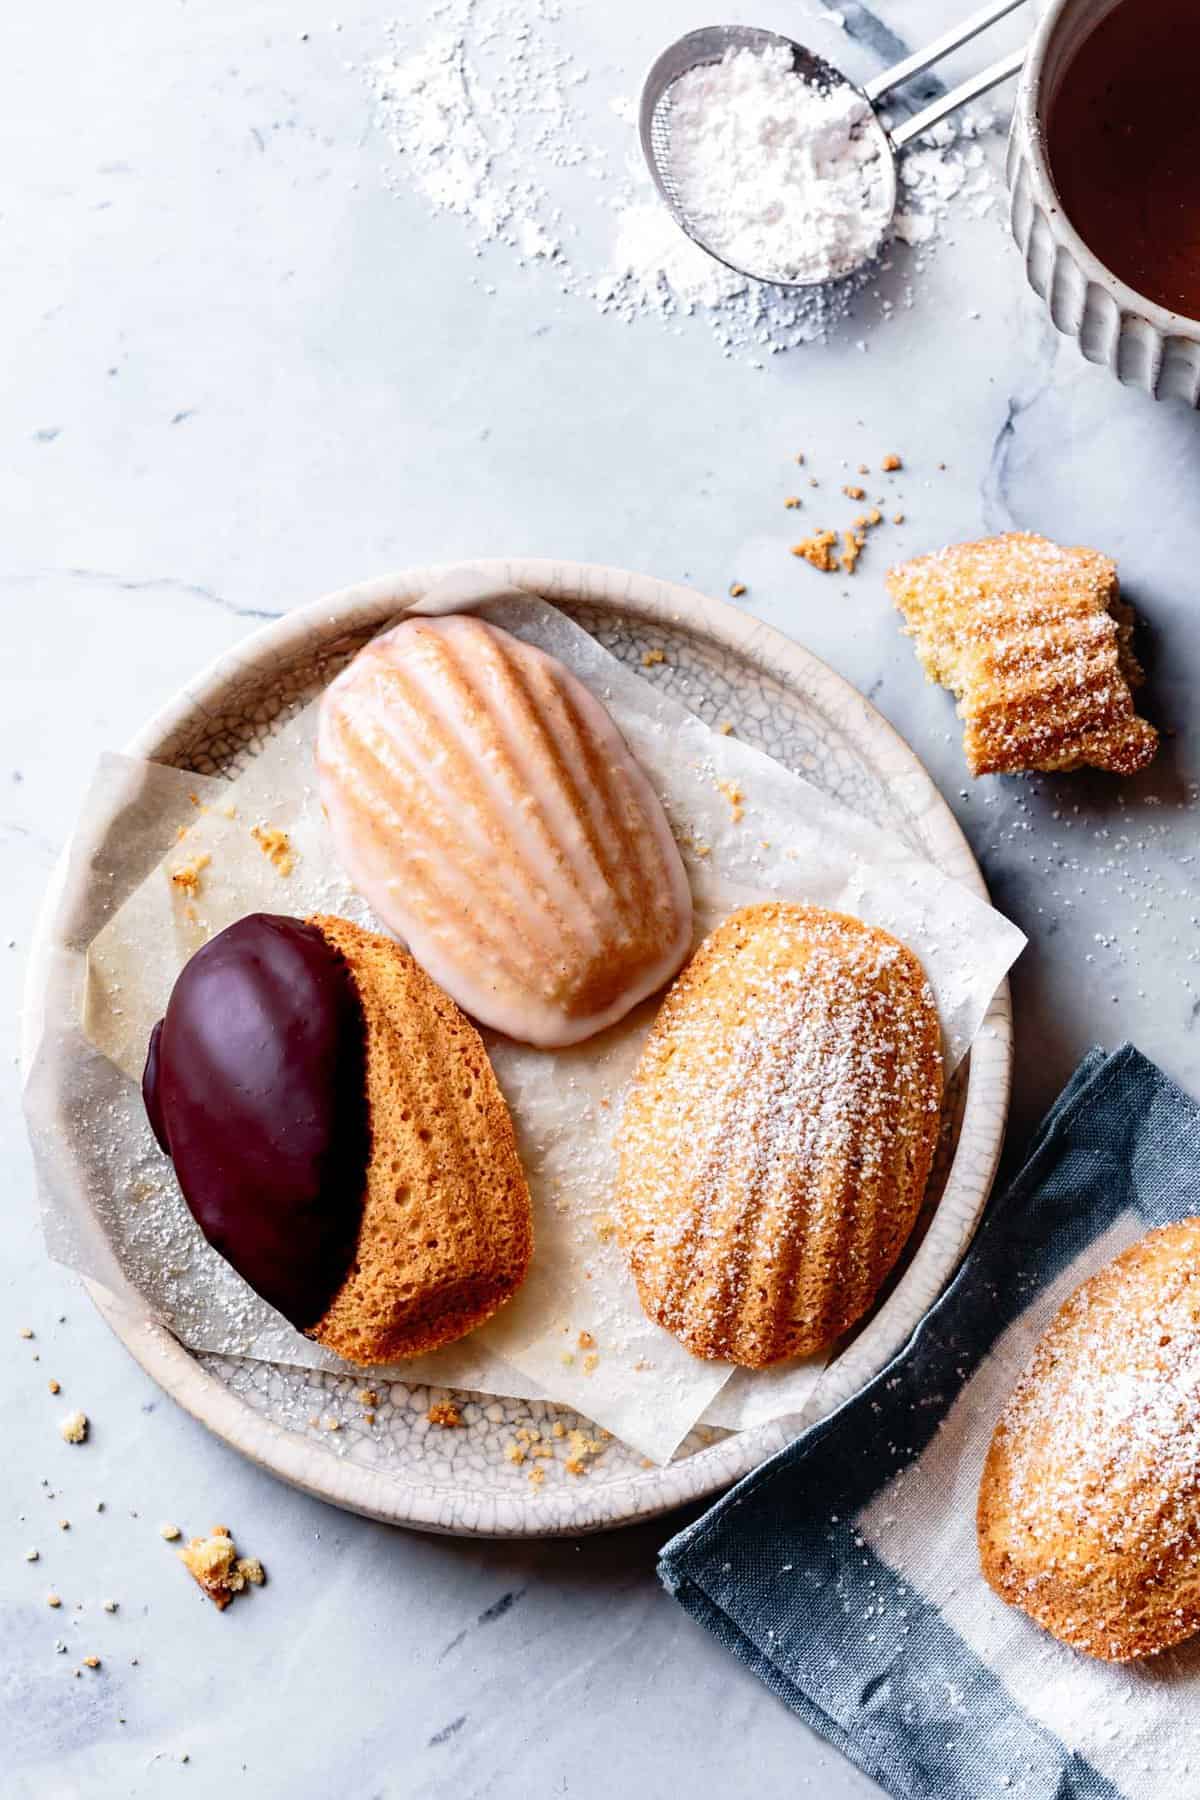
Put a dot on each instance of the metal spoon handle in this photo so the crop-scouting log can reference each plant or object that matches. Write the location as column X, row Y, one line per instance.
column 962, row 33
column 991, row 77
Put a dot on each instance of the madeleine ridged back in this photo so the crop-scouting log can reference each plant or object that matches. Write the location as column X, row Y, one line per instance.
column 487, row 807
column 1035, row 641
column 778, row 1134
column 1089, row 1506
column 447, row 1227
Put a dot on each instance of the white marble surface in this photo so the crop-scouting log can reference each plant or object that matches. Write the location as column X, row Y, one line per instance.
column 239, row 371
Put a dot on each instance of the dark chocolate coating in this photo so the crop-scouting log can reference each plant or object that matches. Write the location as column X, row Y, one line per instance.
column 255, row 1085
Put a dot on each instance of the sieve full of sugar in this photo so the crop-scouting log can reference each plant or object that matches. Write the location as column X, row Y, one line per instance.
column 773, row 161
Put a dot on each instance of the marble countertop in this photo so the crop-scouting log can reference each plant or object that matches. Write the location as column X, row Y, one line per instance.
column 240, row 371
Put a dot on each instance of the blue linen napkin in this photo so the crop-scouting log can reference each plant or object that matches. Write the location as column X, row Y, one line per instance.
column 845, row 1573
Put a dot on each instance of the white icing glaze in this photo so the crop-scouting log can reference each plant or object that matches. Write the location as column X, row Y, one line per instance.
column 484, row 803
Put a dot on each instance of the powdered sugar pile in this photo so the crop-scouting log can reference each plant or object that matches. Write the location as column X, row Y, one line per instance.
column 488, row 116
column 778, row 175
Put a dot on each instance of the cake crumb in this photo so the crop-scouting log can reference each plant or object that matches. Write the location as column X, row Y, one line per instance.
column 445, row 1413
column 800, row 456
column 74, row 1428
column 368, row 1397
column 514, row 1452
column 54, row 1386
column 897, row 518
column 187, row 876
column 53, row 1599
column 214, row 1564
column 558, row 1429
column 818, row 550
column 735, row 797
column 652, row 658
column 170, row 1532
column 26, row 1331
column 792, row 502
column 891, row 463
column 32, row 1555
column 736, row 589
column 586, row 1341
column 110, row 1606
column 591, row 1363
column 91, row 1662
column 854, row 492
column 725, row 728
column 537, row 1477
column 275, row 846
column 852, row 546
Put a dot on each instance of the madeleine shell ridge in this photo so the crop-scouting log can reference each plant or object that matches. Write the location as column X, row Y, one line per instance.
column 447, row 1228
column 1089, row 1505
column 779, row 1133
column 485, row 804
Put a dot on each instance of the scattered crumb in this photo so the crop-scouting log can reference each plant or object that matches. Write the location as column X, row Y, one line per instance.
column 170, row 1532
column 537, row 1476
column 444, row 1412
column 229, row 810
column 558, row 1429
column 187, row 876
column 32, row 1555
column 275, row 846
column 591, row 1363
column 735, row 797
column 855, row 493
column 54, row 1387
column 852, row 544
column 514, row 1452
column 586, row 1341
column 213, row 1562
column 897, row 518
column 333, row 1424
column 53, row 1599
column 26, row 1331
column 818, row 550
column 64, row 1524
column 74, row 1428
column 792, row 502
column 110, row 1606
column 651, row 658
column 736, row 589
column 91, row 1662
column 368, row 1397
column 891, row 462
column 799, row 456
column 725, row 728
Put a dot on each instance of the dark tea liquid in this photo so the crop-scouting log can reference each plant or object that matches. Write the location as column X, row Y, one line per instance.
column 1123, row 140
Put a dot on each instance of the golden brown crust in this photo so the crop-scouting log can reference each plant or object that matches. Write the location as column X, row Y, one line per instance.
column 447, row 1228
column 1089, row 1506
column 1034, row 641
column 779, row 1132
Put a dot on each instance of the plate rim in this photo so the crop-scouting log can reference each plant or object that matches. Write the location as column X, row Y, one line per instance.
column 640, row 1495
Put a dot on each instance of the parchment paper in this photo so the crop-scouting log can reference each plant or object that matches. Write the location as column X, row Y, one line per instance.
column 575, row 1333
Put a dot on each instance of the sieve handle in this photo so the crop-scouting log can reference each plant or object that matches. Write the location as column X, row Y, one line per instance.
column 962, row 33
column 992, row 76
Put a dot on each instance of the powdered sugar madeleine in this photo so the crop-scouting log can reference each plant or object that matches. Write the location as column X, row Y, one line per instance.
column 1089, row 1505
column 485, row 804
column 779, row 1132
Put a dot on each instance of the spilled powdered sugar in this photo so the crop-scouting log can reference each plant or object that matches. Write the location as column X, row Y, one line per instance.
column 488, row 116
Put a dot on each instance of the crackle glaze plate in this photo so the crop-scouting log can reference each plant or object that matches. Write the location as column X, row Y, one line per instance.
column 724, row 665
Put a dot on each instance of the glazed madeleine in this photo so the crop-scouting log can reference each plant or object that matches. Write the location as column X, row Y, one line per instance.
column 1089, row 1507
column 779, row 1133
column 485, row 804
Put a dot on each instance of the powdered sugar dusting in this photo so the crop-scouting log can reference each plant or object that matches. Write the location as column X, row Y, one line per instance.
column 488, row 116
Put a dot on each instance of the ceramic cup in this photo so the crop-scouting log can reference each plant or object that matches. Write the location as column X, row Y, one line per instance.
column 1143, row 344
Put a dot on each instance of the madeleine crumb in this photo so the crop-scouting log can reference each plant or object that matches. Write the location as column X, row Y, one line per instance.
column 736, row 589
column 53, row 1599
column 514, row 1452
column 110, row 1606
column 214, row 1564
column 897, row 518
column 26, row 1331
column 818, row 551
column 891, row 463
column 275, row 846
column 368, row 1397
column 591, row 1363
column 792, row 502
column 586, row 1341
column 187, row 876
column 445, row 1413
column 55, row 1387
column 735, row 797
column 725, row 728
column 537, row 1476
column 91, row 1662
column 169, row 1532
column 651, row 658
column 32, row 1555
column 74, row 1428
column 853, row 492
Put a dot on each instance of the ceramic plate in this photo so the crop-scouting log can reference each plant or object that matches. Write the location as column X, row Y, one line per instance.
column 724, row 665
